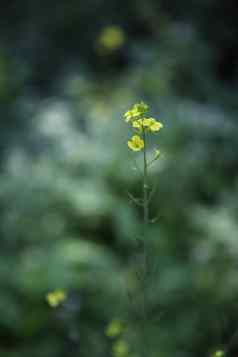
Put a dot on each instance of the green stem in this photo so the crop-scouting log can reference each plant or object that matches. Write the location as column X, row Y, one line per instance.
column 145, row 184
column 145, row 223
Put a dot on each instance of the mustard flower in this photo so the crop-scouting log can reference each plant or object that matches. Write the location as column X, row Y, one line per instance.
column 136, row 111
column 56, row 297
column 136, row 143
column 154, row 125
column 120, row 348
column 138, row 124
column 149, row 124
column 111, row 38
column 114, row 329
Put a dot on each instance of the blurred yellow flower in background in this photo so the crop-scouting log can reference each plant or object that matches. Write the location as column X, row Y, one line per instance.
column 114, row 329
column 111, row 38
column 56, row 297
column 218, row 353
column 120, row 348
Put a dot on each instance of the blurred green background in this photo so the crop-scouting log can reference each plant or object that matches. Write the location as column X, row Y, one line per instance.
column 68, row 72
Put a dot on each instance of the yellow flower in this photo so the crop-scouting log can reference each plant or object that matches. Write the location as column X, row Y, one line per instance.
column 138, row 124
column 155, row 125
column 136, row 111
column 56, row 297
column 120, row 348
column 147, row 123
column 151, row 124
column 136, row 143
column 111, row 38
column 114, row 329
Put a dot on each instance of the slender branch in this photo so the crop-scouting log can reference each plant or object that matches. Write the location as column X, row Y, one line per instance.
column 153, row 190
column 137, row 166
column 135, row 200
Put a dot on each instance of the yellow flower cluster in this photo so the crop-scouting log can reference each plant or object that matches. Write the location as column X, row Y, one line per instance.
column 56, row 297
column 136, row 111
column 149, row 124
column 141, row 124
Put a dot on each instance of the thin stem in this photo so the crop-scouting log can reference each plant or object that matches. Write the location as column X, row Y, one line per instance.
column 145, row 183
column 145, row 223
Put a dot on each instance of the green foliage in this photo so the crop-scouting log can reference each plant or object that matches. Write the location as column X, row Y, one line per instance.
column 66, row 218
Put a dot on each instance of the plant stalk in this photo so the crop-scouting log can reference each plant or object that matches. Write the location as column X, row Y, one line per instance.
column 145, row 256
column 145, row 185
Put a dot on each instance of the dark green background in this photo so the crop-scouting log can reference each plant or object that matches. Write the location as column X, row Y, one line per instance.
column 66, row 220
